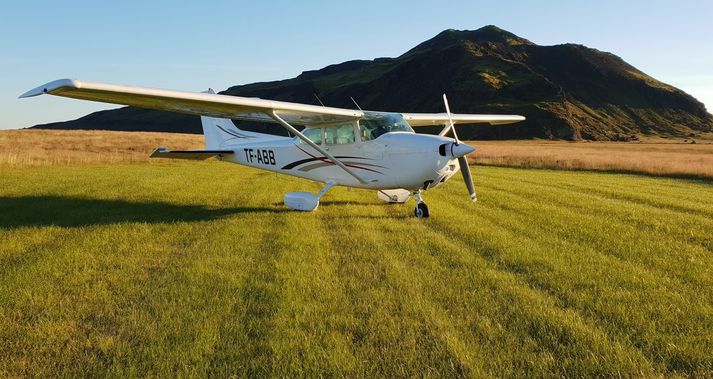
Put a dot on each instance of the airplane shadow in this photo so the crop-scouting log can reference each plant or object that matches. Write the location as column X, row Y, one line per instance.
column 16, row 212
column 341, row 202
column 351, row 202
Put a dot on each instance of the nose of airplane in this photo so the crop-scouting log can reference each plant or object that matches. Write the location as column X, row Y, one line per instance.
column 460, row 150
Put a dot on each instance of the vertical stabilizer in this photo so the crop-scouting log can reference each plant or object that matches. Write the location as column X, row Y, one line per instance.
column 219, row 132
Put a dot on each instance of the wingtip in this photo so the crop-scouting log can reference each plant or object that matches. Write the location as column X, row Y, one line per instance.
column 51, row 86
column 33, row 92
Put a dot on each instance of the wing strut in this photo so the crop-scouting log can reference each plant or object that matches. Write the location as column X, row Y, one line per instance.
column 334, row 160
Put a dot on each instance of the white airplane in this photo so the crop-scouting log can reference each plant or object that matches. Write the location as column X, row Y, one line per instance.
column 337, row 147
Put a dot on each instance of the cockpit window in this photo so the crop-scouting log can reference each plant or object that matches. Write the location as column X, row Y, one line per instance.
column 373, row 125
column 339, row 135
column 314, row 135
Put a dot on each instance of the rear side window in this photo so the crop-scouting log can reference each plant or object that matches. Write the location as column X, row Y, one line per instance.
column 339, row 135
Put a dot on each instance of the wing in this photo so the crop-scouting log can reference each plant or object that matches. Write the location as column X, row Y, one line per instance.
column 429, row 119
column 203, row 104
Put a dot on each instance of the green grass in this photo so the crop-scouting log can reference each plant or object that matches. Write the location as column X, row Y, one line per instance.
column 196, row 269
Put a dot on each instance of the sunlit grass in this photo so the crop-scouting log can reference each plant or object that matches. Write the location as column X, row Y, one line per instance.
column 62, row 147
column 197, row 269
column 662, row 158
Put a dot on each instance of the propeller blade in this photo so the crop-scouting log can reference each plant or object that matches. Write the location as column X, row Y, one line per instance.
column 450, row 120
column 462, row 160
column 467, row 178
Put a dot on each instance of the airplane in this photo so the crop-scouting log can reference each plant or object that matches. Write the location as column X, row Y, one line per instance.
column 337, row 147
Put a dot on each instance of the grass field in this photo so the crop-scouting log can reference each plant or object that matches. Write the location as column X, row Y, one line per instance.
column 196, row 269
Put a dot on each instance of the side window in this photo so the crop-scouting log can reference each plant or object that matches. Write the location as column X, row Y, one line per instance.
column 339, row 135
column 314, row 135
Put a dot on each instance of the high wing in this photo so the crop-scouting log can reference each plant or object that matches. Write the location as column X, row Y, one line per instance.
column 430, row 119
column 235, row 107
column 203, row 104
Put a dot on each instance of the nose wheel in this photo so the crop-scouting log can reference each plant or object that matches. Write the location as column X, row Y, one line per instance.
column 421, row 210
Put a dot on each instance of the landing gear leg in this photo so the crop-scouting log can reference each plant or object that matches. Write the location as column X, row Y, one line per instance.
column 421, row 210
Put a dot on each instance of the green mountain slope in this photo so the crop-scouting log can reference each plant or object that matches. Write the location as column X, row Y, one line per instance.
column 566, row 91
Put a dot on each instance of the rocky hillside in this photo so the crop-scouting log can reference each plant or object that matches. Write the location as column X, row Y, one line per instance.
column 565, row 91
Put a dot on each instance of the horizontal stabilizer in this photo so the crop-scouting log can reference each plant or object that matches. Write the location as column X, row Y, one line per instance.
column 162, row 152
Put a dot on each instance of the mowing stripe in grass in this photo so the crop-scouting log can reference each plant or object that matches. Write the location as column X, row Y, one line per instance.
column 549, row 330
column 243, row 345
column 643, row 233
column 427, row 344
column 247, row 259
column 310, row 337
column 659, row 192
column 690, row 227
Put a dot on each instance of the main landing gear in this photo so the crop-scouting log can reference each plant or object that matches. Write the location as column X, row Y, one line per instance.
column 421, row 210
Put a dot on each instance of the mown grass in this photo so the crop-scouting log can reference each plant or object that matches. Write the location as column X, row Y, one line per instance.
column 197, row 269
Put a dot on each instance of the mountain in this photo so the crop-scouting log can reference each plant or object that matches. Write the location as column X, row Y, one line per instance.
column 566, row 91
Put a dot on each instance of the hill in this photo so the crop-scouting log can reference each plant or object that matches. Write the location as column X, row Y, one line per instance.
column 566, row 91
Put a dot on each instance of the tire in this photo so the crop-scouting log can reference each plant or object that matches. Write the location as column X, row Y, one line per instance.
column 421, row 210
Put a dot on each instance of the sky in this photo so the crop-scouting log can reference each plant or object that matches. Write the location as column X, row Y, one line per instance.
column 195, row 45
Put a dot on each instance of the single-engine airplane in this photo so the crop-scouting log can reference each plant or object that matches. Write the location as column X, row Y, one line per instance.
column 337, row 147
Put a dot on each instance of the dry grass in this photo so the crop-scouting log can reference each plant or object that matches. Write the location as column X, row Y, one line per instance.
column 58, row 147
column 666, row 159
column 52, row 147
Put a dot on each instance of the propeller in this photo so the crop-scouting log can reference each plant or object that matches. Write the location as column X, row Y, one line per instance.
column 465, row 170
column 450, row 120
column 462, row 160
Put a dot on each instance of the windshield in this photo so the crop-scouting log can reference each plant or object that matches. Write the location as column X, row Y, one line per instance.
column 373, row 125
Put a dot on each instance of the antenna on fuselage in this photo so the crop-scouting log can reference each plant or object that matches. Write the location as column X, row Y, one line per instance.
column 318, row 99
column 355, row 103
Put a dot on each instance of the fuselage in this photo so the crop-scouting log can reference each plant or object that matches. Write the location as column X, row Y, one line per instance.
column 399, row 159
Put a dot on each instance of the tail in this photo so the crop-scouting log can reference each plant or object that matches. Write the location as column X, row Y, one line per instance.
column 219, row 132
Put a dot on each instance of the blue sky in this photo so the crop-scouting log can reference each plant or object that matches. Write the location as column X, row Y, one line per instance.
column 194, row 45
